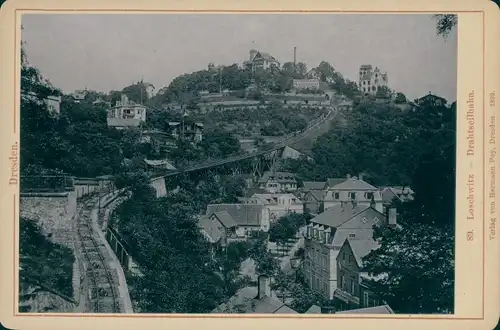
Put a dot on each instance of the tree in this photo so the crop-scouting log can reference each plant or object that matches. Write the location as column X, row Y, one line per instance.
column 445, row 23
column 301, row 69
column 325, row 70
column 383, row 92
column 400, row 98
column 417, row 257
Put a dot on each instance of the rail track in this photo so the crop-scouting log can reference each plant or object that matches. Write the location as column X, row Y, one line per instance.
column 102, row 295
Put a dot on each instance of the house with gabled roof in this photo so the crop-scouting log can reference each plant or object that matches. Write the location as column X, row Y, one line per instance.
column 330, row 182
column 371, row 80
column 255, row 300
column 325, row 236
column 278, row 205
column 314, row 201
column 313, row 185
column 430, row 99
column 352, row 292
column 275, row 182
column 353, row 189
column 398, row 193
column 260, row 60
column 237, row 221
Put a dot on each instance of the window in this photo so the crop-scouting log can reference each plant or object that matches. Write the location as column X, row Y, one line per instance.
column 364, row 89
column 352, row 235
column 350, row 259
column 343, row 256
column 342, row 281
column 365, row 299
column 352, row 286
column 368, row 195
column 375, row 220
column 352, row 195
column 364, row 220
column 337, row 195
column 373, row 88
column 376, row 75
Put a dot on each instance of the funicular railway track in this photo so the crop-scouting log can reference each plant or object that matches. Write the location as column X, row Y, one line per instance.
column 101, row 295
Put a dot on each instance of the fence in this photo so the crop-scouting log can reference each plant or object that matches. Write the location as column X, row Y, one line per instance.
column 119, row 246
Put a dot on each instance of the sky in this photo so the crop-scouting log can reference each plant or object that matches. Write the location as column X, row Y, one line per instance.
column 105, row 52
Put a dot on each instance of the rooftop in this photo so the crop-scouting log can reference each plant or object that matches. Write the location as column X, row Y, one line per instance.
column 361, row 248
column 269, row 199
column 210, row 229
column 353, row 183
column 246, row 301
column 318, row 195
column 338, row 215
column 384, row 309
column 282, row 177
column 314, row 185
column 237, row 214
column 330, row 182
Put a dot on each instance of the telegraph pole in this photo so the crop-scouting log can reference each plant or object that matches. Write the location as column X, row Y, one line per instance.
column 220, row 80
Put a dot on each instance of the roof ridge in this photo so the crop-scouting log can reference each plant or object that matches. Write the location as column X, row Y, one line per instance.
column 355, row 214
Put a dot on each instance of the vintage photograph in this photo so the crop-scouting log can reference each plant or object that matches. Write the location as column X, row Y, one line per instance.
column 237, row 163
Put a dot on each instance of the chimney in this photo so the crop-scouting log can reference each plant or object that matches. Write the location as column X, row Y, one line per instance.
column 264, row 287
column 360, row 176
column 294, row 56
column 393, row 213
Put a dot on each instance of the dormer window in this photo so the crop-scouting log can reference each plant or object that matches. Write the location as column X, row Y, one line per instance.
column 351, row 235
column 368, row 195
column 336, row 195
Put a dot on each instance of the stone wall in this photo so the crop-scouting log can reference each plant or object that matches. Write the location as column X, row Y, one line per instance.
column 160, row 187
column 46, row 302
column 54, row 212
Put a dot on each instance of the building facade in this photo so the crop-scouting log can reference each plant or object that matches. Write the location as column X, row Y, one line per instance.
column 189, row 131
column 277, row 205
column 353, row 290
column 355, row 190
column 371, row 80
column 238, row 221
column 53, row 104
column 324, row 238
column 278, row 182
column 260, row 60
column 311, row 84
column 79, row 95
column 126, row 114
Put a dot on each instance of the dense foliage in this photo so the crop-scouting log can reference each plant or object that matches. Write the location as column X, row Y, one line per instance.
column 417, row 257
column 380, row 141
column 287, row 227
column 77, row 141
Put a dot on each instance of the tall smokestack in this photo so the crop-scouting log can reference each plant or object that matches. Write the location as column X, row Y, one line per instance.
column 294, row 56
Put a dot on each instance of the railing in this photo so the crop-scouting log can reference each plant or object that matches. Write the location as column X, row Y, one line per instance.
column 287, row 140
column 47, row 183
